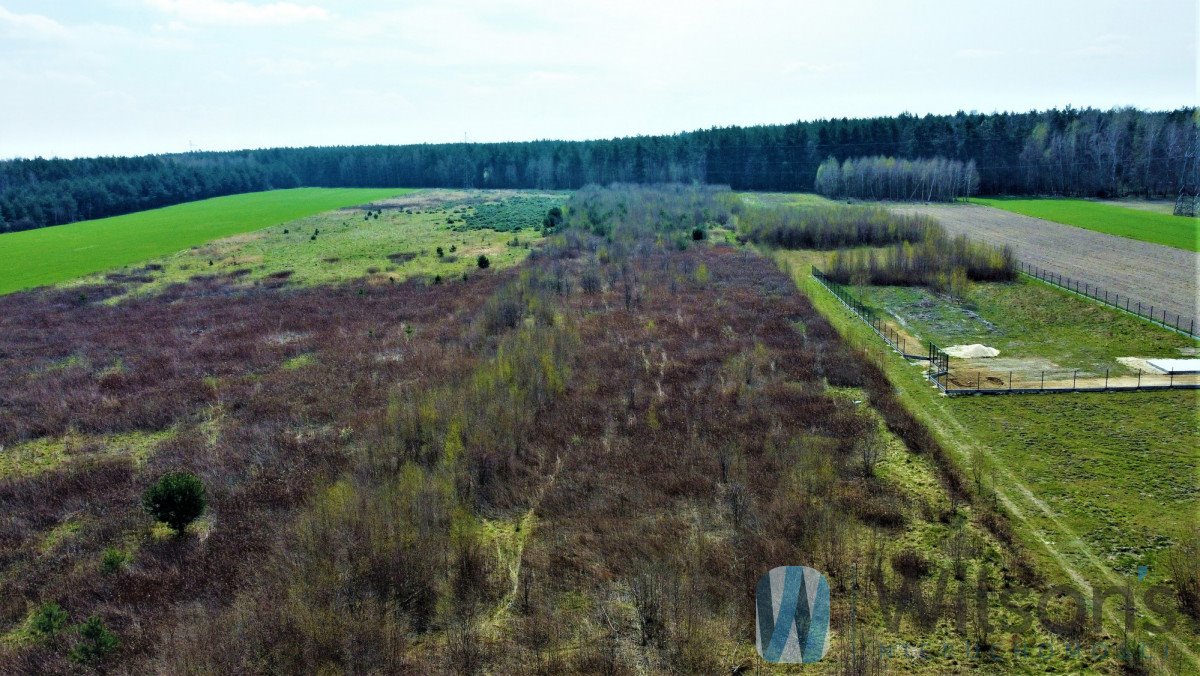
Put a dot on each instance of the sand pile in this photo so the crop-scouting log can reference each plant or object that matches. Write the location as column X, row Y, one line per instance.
column 975, row 351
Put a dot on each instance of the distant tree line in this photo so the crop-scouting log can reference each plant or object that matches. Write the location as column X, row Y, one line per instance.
column 888, row 178
column 1057, row 152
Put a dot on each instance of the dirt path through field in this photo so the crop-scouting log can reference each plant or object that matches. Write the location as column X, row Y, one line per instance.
column 1154, row 274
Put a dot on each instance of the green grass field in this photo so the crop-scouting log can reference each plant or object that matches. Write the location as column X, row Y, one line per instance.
column 1121, row 469
column 355, row 244
column 785, row 199
column 50, row 255
column 1147, row 226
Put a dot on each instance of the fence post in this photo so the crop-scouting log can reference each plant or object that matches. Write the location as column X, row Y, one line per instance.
column 1172, row 372
column 1139, row 385
column 1074, row 378
column 977, row 374
column 1043, row 380
column 1106, row 380
column 1010, row 381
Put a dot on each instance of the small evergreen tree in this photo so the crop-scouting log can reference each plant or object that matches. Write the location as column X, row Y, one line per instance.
column 483, row 262
column 96, row 641
column 48, row 620
column 176, row 499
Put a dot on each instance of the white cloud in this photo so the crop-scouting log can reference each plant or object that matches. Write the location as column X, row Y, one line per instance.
column 234, row 13
column 31, row 24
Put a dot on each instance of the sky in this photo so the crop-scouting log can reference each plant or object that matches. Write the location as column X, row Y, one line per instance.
column 124, row 77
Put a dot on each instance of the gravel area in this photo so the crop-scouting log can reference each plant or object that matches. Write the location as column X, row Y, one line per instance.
column 1156, row 275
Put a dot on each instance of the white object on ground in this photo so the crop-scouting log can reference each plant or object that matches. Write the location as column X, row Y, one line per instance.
column 1175, row 365
column 974, row 351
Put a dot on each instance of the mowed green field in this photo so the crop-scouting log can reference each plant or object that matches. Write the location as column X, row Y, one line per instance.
column 49, row 255
column 1175, row 231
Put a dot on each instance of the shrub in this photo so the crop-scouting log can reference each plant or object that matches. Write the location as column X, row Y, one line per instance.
column 910, row 564
column 554, row 218
column 113, row 560
column 176, row 499
column 697, row 234
column 830, row 227
column 939, row 261
column 483, row 262
column 1185, row 576
column 48, row 620
column 440, row 252
column 96, row 641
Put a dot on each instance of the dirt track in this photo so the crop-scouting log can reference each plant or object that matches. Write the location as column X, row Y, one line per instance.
column 1151, row 273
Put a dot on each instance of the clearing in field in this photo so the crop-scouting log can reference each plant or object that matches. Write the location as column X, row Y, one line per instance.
column 435, row 234
column 50, row 255
column 1142, row 224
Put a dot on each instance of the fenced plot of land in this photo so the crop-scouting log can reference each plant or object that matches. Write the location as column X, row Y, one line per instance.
column 1047, row 339
column 1158, row 275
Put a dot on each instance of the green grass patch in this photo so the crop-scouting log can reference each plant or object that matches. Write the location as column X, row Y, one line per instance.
column 299, row 362
column 341, row 246
column 792, row 199
column 39, row 455
column 49, row 255
column 1122, row 469
column 1140, row 224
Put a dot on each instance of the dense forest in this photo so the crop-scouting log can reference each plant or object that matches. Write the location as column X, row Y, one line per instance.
column 1078, row 152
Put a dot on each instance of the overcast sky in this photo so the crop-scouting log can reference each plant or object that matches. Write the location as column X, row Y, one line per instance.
column 109, row 77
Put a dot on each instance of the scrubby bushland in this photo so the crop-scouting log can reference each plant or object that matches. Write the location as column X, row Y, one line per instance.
column 941, row 262
column 465, row 469
column 888, row 178
column 832, row 227
column 656, row 212
column 202, row 365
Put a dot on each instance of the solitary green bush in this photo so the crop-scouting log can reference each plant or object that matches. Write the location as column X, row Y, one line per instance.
column 96, row 641
column 483, row 262
column 48, row 620
column 113, row 560
column 440, row 252
column 697, row 234
column 176, row 499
